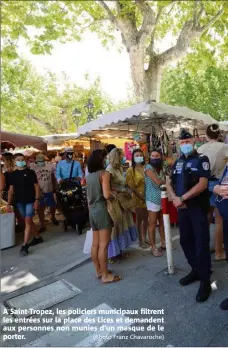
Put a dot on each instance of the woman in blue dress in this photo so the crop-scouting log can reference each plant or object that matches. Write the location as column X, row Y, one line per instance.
column 222, row 204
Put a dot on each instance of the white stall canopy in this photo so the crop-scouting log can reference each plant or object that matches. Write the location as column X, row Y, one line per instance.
column 142, row 117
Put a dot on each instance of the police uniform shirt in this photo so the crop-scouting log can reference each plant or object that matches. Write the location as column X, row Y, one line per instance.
column 194, row 166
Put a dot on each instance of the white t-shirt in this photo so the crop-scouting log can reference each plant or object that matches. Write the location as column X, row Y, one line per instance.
column 44, row 177
column 218, row 156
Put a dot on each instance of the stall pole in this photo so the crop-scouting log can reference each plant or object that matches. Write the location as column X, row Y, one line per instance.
column 168, row 236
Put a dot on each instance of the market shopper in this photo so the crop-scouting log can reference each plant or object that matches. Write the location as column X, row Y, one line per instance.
column 221, row 190
column 98, row 192
column 124, row 232
column 154, row 178
column 47, row 184
column 217, row 153
column 24, row 185
column 8, row 168
column 190, row 195
column 64, row 167
column 136, row 182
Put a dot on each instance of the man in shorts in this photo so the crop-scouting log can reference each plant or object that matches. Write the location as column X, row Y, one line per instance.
column 46, row 180
column 24, row 185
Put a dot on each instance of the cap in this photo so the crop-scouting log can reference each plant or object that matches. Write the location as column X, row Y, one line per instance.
column 69, row 149
column 185, row 135
column 40, row 158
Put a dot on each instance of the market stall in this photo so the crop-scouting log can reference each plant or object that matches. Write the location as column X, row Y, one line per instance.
column 150, row 125
column 21, row 140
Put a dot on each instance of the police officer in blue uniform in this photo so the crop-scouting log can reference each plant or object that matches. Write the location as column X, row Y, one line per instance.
column 189, row 191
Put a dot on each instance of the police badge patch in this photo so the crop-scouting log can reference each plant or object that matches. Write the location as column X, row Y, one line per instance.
column 206, row 166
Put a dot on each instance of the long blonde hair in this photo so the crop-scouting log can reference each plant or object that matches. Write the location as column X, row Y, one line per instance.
column 114, row 158
column 9, row 165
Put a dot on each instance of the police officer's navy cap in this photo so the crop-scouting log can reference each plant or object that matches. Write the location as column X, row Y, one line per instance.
column 185, row 135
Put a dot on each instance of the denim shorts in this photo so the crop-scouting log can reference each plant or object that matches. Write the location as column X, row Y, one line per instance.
column 211, row 185
column 26, row 210
column 47, row 200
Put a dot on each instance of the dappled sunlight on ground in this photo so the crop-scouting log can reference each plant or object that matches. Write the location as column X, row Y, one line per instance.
column 16, row 280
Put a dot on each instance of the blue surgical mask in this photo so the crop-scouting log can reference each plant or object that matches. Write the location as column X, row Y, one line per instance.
column 123, row 161
column 40, row 164
column 138, row 160
column 186, row 149
column 20, row 163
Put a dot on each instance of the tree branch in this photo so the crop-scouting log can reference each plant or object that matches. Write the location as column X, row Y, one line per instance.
column 108, row 11
column 205, row 27
column 42, row 123
column 187, row 35
column 149, row 19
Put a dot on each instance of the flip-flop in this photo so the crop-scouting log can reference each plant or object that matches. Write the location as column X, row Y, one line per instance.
column 112, row 261
column 156, row 253
column 114, row 280
column 163, row 248
column 109, row 272
column 219, row 260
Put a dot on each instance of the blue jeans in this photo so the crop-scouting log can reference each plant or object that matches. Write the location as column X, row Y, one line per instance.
column 26, row 210
column 211, row 185
column 222, row 205
column 47, row 200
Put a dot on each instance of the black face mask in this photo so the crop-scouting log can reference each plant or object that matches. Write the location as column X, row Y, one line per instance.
column 156, row 163
column 69, row 155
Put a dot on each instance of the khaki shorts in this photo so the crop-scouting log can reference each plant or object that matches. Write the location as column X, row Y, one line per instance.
column 99, row 218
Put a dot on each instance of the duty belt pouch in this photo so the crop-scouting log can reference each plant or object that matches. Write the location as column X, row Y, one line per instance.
column 68, row 183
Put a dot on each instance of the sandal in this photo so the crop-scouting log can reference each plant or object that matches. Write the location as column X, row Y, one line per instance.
column 109, row 272
column 115, row 279
column 125, row 255
column 143, row 245
column 156, row 253
column 112, row 261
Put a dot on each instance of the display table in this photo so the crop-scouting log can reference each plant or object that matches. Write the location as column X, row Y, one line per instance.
column 7, row 224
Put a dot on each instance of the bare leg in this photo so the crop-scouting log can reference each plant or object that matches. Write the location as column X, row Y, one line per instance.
column 219, row 252
column 153, row 216
column 94, row 251
column 28, row 229
column 139, row 222
column 52, row 211
column 145, row 224
column 104, row 239
column 161, row 230
column 41, row 216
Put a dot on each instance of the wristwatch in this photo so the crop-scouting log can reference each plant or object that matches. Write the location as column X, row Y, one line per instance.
column 181, row 199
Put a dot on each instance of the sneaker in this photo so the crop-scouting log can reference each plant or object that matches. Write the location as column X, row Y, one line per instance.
column 55, row 222
column 204, row 291
column 224, row 305
column 24, row 250
column 190, row 278
column 36, row 240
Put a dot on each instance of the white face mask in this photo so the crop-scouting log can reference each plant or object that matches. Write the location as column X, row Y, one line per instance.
column 138, row 160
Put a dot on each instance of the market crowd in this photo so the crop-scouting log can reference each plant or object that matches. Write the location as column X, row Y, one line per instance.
column 125, row 205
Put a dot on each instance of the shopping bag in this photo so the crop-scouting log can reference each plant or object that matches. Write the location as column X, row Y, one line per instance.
column 88, row 242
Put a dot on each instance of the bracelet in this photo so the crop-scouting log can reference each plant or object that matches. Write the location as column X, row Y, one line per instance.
column 181, row 199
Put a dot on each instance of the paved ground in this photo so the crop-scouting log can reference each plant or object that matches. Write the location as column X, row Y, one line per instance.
column 145, row 285
column 60, row 251
column 50, row 279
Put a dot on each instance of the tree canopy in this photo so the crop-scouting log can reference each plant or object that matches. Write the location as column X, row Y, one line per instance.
column 206, row 91
column 197, row 27
column 37, row 104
